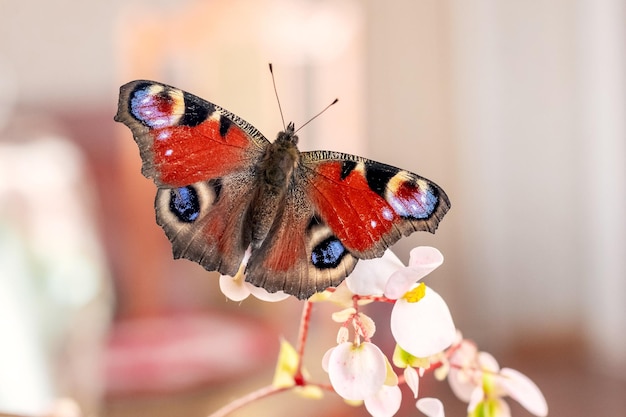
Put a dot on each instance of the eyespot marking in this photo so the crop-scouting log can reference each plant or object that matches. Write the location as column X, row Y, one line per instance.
column 416, row 201
column 328, row 253
column 184, row 204
column 155, row 106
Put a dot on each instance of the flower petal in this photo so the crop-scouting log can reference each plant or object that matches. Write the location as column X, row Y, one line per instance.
column 312, row 392
column 488, row 363
column 524, row 391
column 367, row 326
column 424, row 259
column 476, row 399
column 432, row 407
column 286, row 366
column 263, row 295
column 391, row 377
column 343, row 334
column 341, row 296
column 234, row 287
column 412, row 380
column 463, row 376
column 370, row 276
column 385, row 403
column 343, row 315
column 461, row 383
column 326, row 358
column 425, row 327
column 357, row 372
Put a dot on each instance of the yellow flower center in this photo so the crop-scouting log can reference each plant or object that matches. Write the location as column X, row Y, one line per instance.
column 416, row 294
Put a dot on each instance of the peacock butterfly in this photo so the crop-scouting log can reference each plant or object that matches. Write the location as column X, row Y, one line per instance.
column 306, row 217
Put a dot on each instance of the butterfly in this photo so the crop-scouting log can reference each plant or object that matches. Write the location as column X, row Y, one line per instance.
column 299, row 221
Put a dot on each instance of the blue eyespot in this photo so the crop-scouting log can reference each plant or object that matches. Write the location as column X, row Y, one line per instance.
column 414, row 203
column 328, row 253
column 184, row 204
column 152, row 106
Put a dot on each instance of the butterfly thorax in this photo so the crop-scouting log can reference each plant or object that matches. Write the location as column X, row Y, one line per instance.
column 274, row 172
column 279, row 160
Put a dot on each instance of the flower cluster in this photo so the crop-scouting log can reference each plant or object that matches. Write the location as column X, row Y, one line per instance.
column 476, row 378
column 425, row 336
column 420, row 323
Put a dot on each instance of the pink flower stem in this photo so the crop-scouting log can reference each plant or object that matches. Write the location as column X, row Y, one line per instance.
column 303, row 333
column 378, row 298
column 247, row 399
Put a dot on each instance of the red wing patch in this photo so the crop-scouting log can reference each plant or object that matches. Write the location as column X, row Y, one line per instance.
column 358, row 216
column 184, row 139
column 184, row 155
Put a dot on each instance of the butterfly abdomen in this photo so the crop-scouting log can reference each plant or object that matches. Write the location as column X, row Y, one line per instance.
column 274, row 173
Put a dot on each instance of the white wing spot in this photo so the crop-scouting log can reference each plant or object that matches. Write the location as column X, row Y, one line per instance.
column 164, row 135
column 387, row 214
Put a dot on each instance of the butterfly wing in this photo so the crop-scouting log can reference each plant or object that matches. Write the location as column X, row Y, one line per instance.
column 369, row 205
column 202, row 159
column 284, row 260
column 341, row 208
column 205, row 221
column 184, row 139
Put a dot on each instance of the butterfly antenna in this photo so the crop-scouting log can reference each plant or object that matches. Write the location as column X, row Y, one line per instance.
column 318, row 114
column 280, row 109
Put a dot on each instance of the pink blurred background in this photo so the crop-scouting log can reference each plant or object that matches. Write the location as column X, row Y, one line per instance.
column 517, row 109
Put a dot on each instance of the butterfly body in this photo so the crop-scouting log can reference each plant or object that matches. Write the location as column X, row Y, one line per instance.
column 274, row 174
column 305, row 217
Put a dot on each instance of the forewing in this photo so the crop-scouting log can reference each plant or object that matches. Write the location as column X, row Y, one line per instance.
column 369, row 205
column 184, row 139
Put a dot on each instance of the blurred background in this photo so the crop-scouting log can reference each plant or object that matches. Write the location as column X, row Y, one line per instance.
column 517, row 109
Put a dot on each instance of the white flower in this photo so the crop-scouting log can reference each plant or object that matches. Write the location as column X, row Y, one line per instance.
column 370, row 276
column 356, row 372
column 422, row 261
column 420, row 320
column 237, row 289
column 476, row 378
